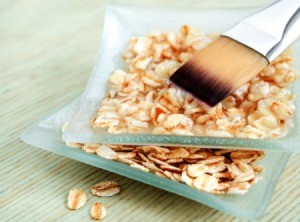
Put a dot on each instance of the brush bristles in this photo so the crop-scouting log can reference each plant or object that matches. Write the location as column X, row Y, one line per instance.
column 219, row 69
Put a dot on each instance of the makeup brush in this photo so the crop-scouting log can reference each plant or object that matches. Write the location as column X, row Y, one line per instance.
column 240, row 53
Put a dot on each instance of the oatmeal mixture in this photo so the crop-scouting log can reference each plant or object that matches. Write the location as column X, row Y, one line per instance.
column 218, row 171
column 141, row 98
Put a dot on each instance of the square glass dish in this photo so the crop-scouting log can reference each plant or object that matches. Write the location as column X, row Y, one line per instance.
column 123, row 22
column 46, row 134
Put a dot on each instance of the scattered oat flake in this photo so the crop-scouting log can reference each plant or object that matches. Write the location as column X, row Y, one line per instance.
column 152, row 167
column 215, row 167
column 76, row 199
column 161, row 174
column 155, row 160
column 143, row 157
column 126, row 161
column 250, row 175
column 243, row 166
column 239, row 188
column 140, row 167
column 161, row 157
column 106, row 152
column 170, row 168
column 106, row 189
column 187, row 179
column 126, row 155
column 90, row 148
column 175, row 161
column 212, row 159
column 177, row 153
column 243, row 155
column 223, row 186
column 202, row 155
column 233, row 170
column 258, row 169
column 206, row 182
column 196, row 170
column 225, row 175
column 73, row 144
column 170, row 175
column 98, row 211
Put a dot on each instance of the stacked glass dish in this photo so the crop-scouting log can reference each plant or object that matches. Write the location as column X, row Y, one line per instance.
column 121, row 23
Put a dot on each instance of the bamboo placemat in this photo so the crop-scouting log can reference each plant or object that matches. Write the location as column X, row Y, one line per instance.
column 47, row 51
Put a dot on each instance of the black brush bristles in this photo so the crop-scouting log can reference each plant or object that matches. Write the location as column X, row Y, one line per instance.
column 201, row 84
column 219, row 69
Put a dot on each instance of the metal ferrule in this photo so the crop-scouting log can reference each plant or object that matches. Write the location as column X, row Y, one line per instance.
column 271, row 30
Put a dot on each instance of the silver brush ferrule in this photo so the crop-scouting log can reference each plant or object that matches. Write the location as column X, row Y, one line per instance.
column 271, row 30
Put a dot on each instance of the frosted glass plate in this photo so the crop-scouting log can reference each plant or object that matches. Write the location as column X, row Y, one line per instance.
column 123, row 22
column 46, row 134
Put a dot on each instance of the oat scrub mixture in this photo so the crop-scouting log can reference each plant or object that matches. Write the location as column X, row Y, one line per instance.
column 141, row 98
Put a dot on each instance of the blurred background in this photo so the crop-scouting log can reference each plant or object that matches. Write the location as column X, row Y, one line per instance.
column 60, row 38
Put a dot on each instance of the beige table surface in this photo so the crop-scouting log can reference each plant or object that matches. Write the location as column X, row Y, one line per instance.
column 47, row 51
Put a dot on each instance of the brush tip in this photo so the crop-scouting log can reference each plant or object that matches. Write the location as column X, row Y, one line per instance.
column 218, row 69
column 201, row 84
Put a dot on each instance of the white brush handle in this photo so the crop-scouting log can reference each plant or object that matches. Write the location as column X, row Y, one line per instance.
column 271, row 30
